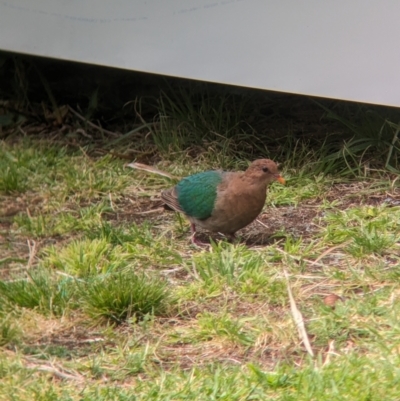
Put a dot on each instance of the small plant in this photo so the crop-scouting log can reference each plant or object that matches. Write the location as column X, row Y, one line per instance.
column 375, row 138
column 40, row 291
column 224, row 327
column 227, row 262
column 81, row 258
column 371, row 239
column 123, row 295
column 12, row 179
column 9, row 333
column 149, row 249
column 90, row 179
column 37, row 226
column 190, row 117
column 115, row 235
column 367, row 230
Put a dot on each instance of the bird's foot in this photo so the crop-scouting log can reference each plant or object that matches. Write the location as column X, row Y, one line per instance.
column 232, row 238
column 195, row 241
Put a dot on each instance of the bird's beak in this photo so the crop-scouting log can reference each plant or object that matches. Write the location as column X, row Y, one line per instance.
column 280, row 179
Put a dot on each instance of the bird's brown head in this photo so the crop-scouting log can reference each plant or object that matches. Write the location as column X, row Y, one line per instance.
column 264, row 171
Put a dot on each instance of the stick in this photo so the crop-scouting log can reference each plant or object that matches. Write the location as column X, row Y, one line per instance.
column 90, row 123
column 298, row 318
column 328, row 251
column 32, row 253
column 61, row 373
column 298, row 258
column 150, row 169
column 260, row 222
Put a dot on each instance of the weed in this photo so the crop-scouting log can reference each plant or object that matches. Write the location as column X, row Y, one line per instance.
column 226, row 262
column 373, row 135
column 40, row 291
column 225, row 327
column 123, row 295
column 83, row 258
column 367, row 229
column 9, row 333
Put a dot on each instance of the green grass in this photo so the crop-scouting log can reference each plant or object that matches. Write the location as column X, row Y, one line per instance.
column 39, row 290
column 102, row 295
column 9, row 332
column 368, row 230
column 123, row 295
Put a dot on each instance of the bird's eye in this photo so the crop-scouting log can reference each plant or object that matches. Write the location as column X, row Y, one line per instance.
column 265, row 169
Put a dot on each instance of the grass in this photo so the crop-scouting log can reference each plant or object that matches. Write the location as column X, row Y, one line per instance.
column 103, row 297
column 38, row 291
column 123, row 295
column 368, row 230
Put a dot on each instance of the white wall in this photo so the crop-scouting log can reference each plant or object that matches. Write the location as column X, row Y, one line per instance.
column 338, row 49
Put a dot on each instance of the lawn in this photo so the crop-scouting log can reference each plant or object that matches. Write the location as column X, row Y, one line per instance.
column 103, row 297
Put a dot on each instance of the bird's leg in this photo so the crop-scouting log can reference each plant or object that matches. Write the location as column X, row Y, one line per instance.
column 233, row 238
column 193, row 230
column 193, row 238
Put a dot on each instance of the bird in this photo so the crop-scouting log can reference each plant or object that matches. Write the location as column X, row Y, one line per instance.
column 222, row 201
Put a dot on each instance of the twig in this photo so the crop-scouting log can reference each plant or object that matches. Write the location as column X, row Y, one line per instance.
column 130, row 133
column 174, row 270
column 137, row 113
column 91, row 124
column 260, row 222
column 69, row 276
column 298, row 318
column 111, row 202
column 150, row 169
column 328, row 251
column 331, row 351
column 50, row 368
column 158, row 210
column 83, row 132
column 299, row 259
column 392, row 184
column 32, row 253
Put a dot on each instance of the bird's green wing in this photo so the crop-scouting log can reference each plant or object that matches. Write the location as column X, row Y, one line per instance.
column 197, row 193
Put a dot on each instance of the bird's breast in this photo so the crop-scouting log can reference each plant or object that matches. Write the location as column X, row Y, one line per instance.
column 235, row 210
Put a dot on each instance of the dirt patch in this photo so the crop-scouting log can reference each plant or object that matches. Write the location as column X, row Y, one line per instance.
column 65, row 338
column 135, row 210
column 186, row 356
